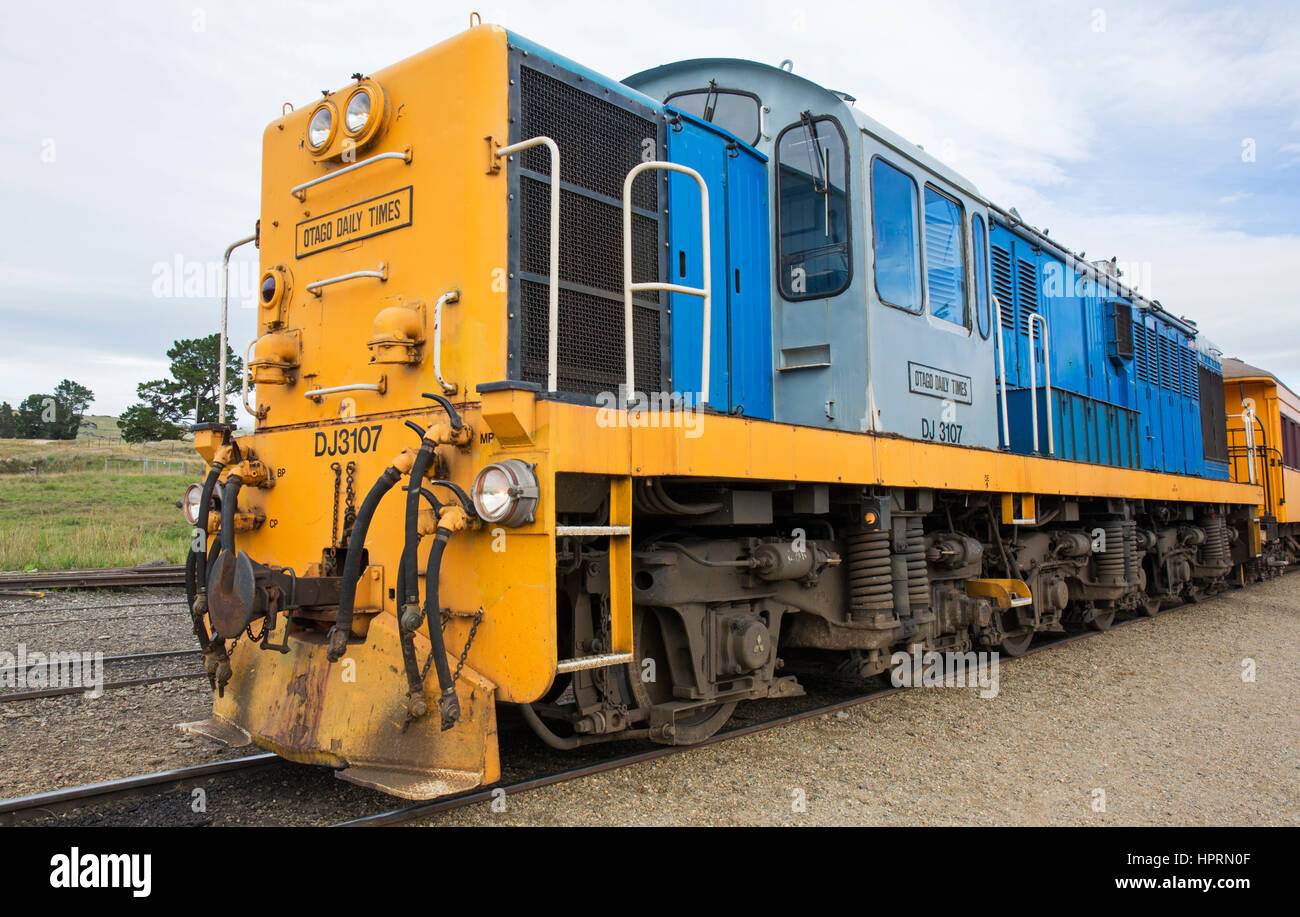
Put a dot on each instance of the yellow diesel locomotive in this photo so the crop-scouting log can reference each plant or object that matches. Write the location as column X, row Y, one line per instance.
column 627, row 401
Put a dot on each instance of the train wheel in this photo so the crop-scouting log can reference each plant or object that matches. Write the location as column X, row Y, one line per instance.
column 1149, row 606
column 1017, row 645
column 651, row 681
column 1102, row 619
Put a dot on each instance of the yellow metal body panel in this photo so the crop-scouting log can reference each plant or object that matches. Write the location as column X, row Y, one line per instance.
column 1268, row 401
column 441, row 103
column 738, row 447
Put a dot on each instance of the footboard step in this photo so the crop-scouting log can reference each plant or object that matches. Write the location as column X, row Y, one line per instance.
column 408, row 784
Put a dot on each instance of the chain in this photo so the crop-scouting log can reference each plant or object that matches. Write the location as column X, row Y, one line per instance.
column 464, row 654
column 350, row 508
column 338, row 477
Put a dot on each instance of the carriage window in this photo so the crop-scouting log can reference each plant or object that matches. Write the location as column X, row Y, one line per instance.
column 983, row 311
column 730, row 109
column 813, row 215
column 896, row 240
column 945, row 258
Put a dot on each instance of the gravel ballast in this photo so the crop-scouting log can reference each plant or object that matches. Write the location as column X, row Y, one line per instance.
column 1155, row 716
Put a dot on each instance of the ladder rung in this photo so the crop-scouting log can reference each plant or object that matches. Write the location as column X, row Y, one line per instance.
column 592, row 662
column 580, row 530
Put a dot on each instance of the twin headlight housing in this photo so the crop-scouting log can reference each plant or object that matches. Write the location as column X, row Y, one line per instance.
column 363, row 110
column 505, row 493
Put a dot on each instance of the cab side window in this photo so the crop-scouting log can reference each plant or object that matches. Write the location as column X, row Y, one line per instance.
column 983, row 310
column 812, row 209
column 731, row 109
column 945, row 257
column 896, row 240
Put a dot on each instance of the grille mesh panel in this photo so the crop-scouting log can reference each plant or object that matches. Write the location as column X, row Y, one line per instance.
column 591, row 342
column 591, row 240
column 600, row 142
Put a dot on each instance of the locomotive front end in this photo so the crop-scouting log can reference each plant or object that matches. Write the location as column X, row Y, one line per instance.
column 372, row 575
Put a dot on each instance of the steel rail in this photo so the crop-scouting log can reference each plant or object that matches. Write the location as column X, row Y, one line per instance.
column 125, row 658
column 111, row 606
column 486, row 794
column 161, row 575
column 148, row 614
column 13, row 811
column 39, row 693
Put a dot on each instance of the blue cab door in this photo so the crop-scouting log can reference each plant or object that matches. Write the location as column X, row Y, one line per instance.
column 740, row 351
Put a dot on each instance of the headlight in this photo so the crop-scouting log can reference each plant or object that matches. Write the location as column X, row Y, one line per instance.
column 506, row 493
column 357, row 114
column 190, row 503
column 320, row 127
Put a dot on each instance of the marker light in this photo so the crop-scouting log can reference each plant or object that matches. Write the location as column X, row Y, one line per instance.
column 320, row 127
column 190, row 503
column 506, row 493
column 357, row 114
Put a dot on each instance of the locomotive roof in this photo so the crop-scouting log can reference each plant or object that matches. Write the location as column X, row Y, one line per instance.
column 1240, row 369
column 749, row 75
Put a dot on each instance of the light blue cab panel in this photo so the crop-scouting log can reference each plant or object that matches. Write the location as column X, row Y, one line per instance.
column 740, row 361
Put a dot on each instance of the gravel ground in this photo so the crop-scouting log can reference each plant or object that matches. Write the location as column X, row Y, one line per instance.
column 72, row 740
column 1155, row 714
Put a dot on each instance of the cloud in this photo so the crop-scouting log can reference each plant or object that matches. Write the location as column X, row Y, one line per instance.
column 1103, row 129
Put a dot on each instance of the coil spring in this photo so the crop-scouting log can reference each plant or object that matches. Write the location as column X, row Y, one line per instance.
column 1120, row 559
column 918, row 576
column 870, row 583
column 1214, row 553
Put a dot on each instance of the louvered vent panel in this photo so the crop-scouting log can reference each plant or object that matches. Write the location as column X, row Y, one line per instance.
column 1003, row 287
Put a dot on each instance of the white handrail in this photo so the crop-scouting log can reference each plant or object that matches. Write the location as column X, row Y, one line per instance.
column 629, row 354
column 243, row 384
column 225, row 294
column 448, row 388
column 553, row 297
column 300, row 191
column 1002, row 377
column 1248, row 423
column 1034, row 318
column 381, row 275
column 351, row 387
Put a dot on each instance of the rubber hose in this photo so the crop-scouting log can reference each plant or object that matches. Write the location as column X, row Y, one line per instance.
column 352, row 563
column 411, row 582
column 432, row 613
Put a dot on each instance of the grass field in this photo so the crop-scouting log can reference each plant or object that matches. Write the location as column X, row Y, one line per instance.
column 90, row 519
column 94, row 501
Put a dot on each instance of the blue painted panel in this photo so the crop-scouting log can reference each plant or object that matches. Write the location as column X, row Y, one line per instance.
column 696, row 145
column 740, row 346
column 748, row 283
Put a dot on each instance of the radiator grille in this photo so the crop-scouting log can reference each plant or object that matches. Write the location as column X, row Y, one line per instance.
column 590, row 354
column 600, row 142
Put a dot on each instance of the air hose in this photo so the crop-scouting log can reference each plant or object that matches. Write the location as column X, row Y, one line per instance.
column 338, row 636
column 196, row 562
column 448, row 704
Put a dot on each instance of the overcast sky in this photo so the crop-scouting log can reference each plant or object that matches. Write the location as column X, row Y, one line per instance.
column 1165, row 134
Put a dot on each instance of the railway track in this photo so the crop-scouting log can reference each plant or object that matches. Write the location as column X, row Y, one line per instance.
column 23, row 808
column 51, row 667
column 18, row 810
column 108, row 577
